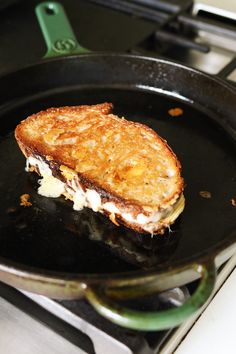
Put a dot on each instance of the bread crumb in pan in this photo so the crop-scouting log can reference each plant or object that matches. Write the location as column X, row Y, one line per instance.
column 205, row 194
column 175, row 112
column 24, row 200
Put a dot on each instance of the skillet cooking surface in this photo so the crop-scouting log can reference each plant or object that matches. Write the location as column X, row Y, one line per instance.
column 51, row 236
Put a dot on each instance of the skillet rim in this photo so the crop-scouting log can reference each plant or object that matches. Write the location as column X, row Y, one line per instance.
column 124, row 56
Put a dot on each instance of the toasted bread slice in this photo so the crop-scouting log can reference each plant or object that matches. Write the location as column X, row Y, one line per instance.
column 118, row 167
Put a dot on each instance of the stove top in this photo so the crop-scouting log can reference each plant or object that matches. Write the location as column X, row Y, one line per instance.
column 200, row 34
column 93, row 332
column 73, row 326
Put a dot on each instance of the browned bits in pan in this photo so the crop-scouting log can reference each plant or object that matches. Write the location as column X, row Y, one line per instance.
column 205, row 194
column 175, row 112
column 24, row 200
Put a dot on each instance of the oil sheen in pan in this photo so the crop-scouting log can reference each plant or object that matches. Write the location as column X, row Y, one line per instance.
column 49, row 234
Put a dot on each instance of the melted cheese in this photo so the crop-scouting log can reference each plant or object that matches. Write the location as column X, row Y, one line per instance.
column 53, row 187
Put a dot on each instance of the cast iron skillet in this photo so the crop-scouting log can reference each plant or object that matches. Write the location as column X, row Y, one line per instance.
column 50, row 249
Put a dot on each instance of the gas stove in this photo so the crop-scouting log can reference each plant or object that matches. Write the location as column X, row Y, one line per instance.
column 201, row 34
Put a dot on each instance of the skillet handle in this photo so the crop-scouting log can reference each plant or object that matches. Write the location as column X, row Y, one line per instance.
column 152, row 321
column 57, row 31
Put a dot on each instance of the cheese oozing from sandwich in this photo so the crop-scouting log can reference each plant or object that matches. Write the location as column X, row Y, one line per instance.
column 53, row 187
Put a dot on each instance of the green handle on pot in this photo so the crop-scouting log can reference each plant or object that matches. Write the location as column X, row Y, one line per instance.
column 57, row 31
column 102, row 301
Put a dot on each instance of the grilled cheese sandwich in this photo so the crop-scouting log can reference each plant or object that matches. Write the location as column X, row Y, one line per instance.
column 114, row 166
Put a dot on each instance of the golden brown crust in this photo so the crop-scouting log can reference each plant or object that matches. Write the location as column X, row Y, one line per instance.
column 125, row 162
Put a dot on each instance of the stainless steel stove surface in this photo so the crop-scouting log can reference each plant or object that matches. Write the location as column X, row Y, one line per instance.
column 103, row 336
column 32, row 323
column 201, row 34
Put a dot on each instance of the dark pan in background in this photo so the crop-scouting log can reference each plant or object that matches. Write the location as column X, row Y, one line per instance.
column 52, row 250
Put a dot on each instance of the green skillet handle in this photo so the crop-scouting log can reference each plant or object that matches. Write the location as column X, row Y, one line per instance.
column 153, row 321
column 58, row 34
